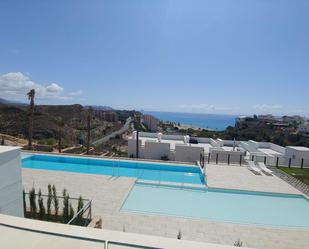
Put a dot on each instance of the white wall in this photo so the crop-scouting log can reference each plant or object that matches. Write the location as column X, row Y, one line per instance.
column 11, row 200
column 155, row 150
column 297, row 156
column 185, row 153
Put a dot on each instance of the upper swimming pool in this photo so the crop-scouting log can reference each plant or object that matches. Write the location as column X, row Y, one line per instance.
column 161, row 172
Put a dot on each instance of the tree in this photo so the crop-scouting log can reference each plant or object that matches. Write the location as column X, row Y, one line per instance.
column 65, row 212
column 49, row 200
column 31, row 94
column 60, row 124
column 32, row 202
column 71, row 212
column 2, row 140
column 89, row 115
column 24, row 202
column 55, row 200
column 80, row 205
column 41, row 206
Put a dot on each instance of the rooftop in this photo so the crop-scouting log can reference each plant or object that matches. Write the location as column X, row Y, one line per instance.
column 299, row 148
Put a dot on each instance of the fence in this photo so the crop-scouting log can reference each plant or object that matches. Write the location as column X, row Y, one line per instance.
column 269, row 160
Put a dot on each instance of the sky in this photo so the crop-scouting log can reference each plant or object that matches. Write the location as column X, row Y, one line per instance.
column 201, row 56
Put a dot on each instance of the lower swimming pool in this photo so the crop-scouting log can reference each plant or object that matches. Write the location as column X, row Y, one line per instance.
column 243, row 207
column 161, row 172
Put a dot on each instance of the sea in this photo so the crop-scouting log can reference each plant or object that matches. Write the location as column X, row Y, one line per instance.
column 217, row 122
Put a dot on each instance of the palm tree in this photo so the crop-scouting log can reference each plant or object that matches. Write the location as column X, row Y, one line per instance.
column 31, row 94
column 60, row 124
column 89, row 115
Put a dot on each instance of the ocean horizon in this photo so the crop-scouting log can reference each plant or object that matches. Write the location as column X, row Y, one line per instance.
column 217, row 122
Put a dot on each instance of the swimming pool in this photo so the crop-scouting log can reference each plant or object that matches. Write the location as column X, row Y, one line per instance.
column 160, row 172
column 242, row 207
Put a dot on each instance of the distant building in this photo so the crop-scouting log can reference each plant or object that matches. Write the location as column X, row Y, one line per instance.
column 293, row 119
column 269, row 118
column 304, row 128
column 151, row 122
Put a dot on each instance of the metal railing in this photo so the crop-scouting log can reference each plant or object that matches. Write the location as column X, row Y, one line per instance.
column 79, row 217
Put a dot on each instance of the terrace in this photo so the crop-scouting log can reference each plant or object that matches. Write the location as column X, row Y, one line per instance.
column 112, row 192
column 215, row 213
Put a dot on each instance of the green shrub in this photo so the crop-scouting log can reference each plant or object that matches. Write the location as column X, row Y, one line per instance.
column 49, row 200
column 41, row 206
column 55, row 200
column 32, row 202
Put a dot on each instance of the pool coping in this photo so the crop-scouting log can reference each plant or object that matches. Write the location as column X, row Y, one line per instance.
column 260, row 225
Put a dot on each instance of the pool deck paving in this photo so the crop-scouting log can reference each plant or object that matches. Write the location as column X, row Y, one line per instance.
column 108, row 194
column 241, row 178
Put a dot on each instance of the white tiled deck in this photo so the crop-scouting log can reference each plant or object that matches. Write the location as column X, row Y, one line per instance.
column 109, row 193
column 239, row 177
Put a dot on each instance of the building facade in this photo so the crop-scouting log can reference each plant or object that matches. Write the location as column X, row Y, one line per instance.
column 151, row 122
column 11, row 200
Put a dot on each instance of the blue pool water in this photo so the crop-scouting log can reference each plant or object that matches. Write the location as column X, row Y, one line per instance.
column 276, row 210
column 146, row 171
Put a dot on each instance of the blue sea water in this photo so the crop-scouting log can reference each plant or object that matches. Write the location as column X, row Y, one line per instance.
column 216, row 122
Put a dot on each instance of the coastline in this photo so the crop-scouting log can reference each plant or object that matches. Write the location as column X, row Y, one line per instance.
column 197, row 121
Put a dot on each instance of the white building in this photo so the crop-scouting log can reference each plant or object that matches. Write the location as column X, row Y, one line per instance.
column 304, row 128
column 299, row 155
column 178, row 148
column 11, row 202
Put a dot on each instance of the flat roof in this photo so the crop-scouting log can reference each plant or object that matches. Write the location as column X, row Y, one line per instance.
column 299, row 148
column 4, row 148
column 268, row 151
column 173, row 143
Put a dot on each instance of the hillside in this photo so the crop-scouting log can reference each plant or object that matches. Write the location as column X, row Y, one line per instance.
column 14, row 121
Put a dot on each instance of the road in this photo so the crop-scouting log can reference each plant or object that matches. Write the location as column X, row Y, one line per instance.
column 122, row 130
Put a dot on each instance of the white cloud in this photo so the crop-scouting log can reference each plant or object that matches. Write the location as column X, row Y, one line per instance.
column 77, row 93
column 15, row 85
column 207, row 108
column 267, row 108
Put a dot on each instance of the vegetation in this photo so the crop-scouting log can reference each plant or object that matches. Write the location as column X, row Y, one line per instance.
column 53, row 214
column 80, row 205
column 60, row 127
column 164, row 158
column 65, row 212
column 300, row 174
column 41, row 206
column 251, row 129
column 30, row 134
column 238, row 243
column 49, row 199
column 32, row 197
column 89, row 116
column 55, row 200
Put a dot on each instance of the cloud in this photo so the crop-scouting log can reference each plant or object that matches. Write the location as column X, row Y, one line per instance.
column 15, row 85
column 267, row 108
column 77, row 93
column 209, row 108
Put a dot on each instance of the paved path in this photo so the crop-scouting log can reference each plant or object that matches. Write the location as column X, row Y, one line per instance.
column 122, row 130
column 109, row 193
column 302, row 187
